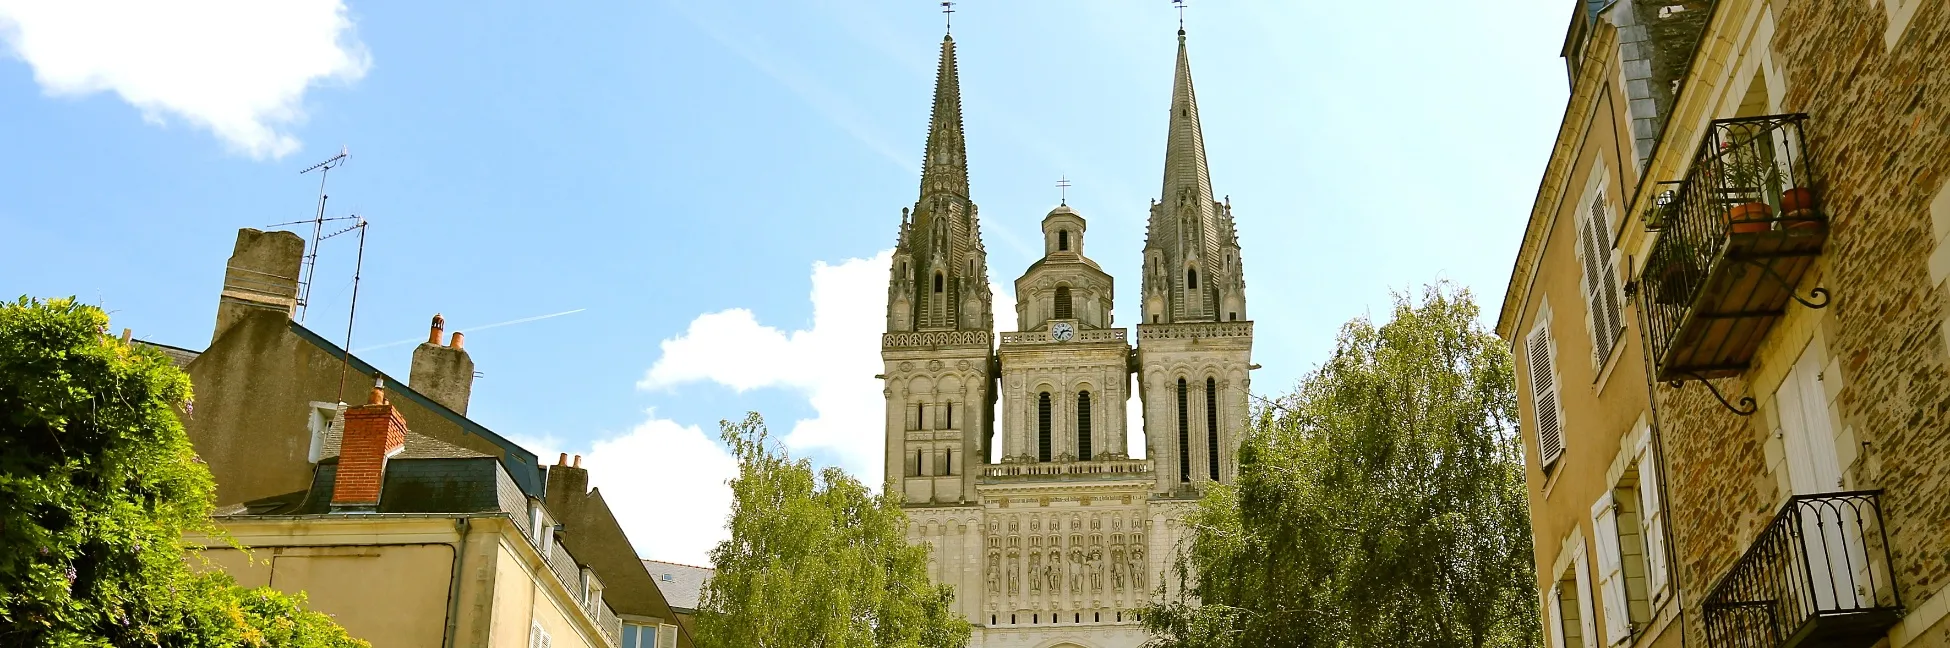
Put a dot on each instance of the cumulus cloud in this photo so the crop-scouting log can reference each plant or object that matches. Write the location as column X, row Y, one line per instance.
column 640, row 471
column 238, row 68
column 832, row 363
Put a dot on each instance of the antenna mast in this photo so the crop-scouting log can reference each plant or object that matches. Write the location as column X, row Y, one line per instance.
column 345, row 363
column 324, row 170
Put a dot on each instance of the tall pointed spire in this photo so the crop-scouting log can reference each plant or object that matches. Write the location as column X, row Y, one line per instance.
column 944, row 167
column 1192, row 267
column 1185, row 168
column 940, row 270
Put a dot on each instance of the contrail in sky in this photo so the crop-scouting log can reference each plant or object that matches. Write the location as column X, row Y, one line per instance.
column 473, row 329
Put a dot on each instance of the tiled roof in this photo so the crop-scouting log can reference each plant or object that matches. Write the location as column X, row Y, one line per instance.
column 180, row 356
column 682, row 585
column 418, row 446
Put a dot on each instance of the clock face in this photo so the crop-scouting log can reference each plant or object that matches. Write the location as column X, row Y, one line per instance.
column 1062, row 331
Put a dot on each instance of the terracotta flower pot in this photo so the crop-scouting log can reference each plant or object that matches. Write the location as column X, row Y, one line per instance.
column 1749, row 218
column 1798, row 205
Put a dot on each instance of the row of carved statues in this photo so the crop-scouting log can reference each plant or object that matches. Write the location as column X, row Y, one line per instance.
column 1086, row 569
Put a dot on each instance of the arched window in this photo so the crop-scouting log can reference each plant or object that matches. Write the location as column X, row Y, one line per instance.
column 1212, row 425
column 951, row 416
column 1184, row 435
column 937, row 282
column 1191, row 279
column 1062, row 240
column 1042, row 427
column 1083, row 426
column 1062, row 302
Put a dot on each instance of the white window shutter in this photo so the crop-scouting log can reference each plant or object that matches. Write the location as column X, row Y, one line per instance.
column 1543, row 394
column 1554, row 617
column 1585, row 618
column 1611, row 574
column 1652, row 525
column 667, row 636
column 1614, row 317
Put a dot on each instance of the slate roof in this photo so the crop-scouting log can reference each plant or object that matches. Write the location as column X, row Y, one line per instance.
column 418, row 446
column 682, row 585
column 179, row 356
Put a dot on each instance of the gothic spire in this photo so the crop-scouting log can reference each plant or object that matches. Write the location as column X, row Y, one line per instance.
column 1185, row 168
column 944, row 167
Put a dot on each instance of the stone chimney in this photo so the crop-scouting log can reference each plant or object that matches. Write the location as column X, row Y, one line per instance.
column 262, row 275
column 373, row 432
column 443, row 373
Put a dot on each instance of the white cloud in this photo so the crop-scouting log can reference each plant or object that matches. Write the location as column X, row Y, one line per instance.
column 239, row 68
column 832, row 363
column 665, row 482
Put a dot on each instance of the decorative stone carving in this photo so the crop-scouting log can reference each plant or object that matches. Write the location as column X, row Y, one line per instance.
column 1076, row 570
column 1117, row 567
column 1035, row 570
column 1138, row 567
column 1096, row 561
column 995, row 572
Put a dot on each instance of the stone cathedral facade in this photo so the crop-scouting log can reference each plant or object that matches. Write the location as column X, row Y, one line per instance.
column 1058, row 542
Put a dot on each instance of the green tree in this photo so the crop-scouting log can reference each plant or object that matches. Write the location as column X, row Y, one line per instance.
column 816, row 559
column 98, row 483
column 1380, row 504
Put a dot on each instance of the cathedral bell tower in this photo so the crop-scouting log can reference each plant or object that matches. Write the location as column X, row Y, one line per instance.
column 1194, row 341
column 938, row 379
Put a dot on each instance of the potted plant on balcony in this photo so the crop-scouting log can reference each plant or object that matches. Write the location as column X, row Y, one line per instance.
column 1672, row 270
column 1749, row 175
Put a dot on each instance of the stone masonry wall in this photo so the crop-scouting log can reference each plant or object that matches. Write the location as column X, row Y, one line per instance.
column 1877, row 137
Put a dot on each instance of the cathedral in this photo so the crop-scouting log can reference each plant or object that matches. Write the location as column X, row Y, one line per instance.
column 1059, row 541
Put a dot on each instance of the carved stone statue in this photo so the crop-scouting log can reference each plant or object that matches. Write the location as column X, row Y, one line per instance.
column 1138, row 567
column 1096, row 560
column 1054, row 571
column 995, row 573
column 1014, row 587
column 1117, row 568
column 1076, row 570
column 1035, row 570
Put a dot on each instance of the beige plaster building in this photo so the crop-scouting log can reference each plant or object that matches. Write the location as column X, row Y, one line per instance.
column 1059, row 541
column 406, row 521
column 1728, row 313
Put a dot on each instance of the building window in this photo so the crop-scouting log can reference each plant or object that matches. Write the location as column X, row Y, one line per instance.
column 1631, row 549
column 951, row 416
column 920, row 416
column 1184, row 435
column 1042, row 427
column 948, row 461
column 1083, row 426
column 1062, row 302
column 1549, row 413
column 1212, row 425
column 1600, row 280
column 537, row 637
column 1569, row 622
column 937, row 282
column 1191, row 278
column 914, row 466
column 1062, row 240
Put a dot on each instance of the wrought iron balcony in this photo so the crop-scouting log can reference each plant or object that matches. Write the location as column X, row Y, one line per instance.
column 1817, row 576
column 1736, row 238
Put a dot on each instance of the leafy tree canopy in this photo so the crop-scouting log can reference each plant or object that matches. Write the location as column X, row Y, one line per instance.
column 1380, row 504
column 97, row 485
column 816, row 559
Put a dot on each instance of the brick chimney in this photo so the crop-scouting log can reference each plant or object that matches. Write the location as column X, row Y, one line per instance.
column 443, row 373
column 262, row 275
column 373, row 432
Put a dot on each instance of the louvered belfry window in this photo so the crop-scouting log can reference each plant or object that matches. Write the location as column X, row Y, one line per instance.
column 1184, row 435
column 1083, row 426
column 1600, row 279
column 1042, row 427
column 1212, row 426
column 1062, row 302
column 1543, row 395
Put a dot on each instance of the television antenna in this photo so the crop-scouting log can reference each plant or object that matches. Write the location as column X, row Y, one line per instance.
column 310, row 265
column 345, row 363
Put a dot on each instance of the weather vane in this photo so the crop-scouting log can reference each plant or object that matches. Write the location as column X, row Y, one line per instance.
column 948, row 9
column 1063, row 187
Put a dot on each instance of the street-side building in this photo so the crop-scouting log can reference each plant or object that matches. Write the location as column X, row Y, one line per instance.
column 1062, row 536
column 1772, row 417
column 455, row 536
column 683, row 586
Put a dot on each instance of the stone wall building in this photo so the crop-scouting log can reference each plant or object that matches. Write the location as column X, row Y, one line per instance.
column 421, row 528
column 1729, row 316
column 1060, row 541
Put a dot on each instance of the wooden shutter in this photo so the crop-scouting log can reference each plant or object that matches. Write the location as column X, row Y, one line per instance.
column 1585, row 621
column 1543, row 394
column 1600, row 280
column 667, row 636
column 1554, row 616
column 1611, row 572
column 1652, row 525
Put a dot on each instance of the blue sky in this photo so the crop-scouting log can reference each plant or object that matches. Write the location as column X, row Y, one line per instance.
column 710, row 184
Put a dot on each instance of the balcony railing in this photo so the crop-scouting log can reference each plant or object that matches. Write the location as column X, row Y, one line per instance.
column 1735, row 240
column 1817, row 576
column 1108, row 469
